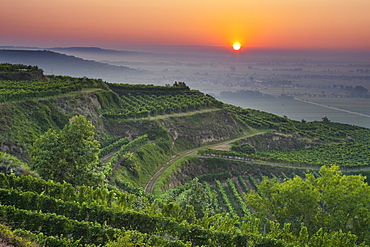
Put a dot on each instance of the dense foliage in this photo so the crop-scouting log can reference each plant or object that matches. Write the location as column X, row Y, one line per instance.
column 47, row 211
column 69, row 155
column 7, row 67
column 331, row 202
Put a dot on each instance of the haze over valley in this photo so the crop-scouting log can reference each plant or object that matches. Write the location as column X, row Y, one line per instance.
column 299, row 84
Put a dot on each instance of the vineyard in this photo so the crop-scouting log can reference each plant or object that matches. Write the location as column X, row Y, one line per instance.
column 345, row 155
column 252, row 182
column 46, row 212
column 123, row 154
column 341, row 154
column 230, row 189
column 143, row 106
column 325, row 131
column 26, row 90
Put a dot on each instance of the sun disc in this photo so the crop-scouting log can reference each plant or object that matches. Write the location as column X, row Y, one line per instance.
column 237, row 46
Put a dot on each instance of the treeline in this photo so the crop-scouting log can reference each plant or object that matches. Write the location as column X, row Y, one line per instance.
column 242, row 94
column 124, row 89
column 20, row 72
column 7, row 67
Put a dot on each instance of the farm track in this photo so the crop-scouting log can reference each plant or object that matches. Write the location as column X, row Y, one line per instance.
column 150, row 185
column 343, row 169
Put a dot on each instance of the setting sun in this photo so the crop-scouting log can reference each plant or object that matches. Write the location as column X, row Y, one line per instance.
column 237, row 46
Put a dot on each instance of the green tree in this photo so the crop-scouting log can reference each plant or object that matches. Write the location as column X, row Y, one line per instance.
column 331, row 202
column 70, row 155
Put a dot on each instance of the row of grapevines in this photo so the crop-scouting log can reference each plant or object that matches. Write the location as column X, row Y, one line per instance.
column 243, row 183
column 80, row 221
column 58, row 225
column 66, row 192
column 113, row 146
column 253, row 181
column 108, row 167
column 23, row 238
column 44, row 240
column 239, row 199
column 225, row 198
column 101, row 214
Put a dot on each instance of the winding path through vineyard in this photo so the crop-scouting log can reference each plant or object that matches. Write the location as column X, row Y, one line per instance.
column 150, row 185
column 223, row 145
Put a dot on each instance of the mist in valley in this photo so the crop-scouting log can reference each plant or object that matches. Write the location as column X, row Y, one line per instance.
column 304, row 85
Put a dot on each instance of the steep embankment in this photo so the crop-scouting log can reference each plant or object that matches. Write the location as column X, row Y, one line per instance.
column 187, row 131
column 171, row 134
column 185, row 177
column 22, row 122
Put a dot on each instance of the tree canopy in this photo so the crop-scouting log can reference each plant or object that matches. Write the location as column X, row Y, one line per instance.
column 331, row 202
column 69, row 155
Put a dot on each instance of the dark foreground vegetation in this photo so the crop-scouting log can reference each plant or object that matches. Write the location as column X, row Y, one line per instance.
column 77, row 154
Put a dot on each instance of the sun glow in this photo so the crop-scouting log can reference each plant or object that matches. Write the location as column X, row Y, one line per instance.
column 237, row 46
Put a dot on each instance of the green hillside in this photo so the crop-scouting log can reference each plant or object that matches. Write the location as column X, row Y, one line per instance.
column 84, row 162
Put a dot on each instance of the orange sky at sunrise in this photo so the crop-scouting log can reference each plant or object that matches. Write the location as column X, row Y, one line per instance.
column 335, row 24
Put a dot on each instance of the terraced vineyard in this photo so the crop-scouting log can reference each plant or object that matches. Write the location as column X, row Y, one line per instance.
column 230, row 192
column 218, row 197
column 25, row 90
column 142, row 106
column 341, row 154
column 45, row 212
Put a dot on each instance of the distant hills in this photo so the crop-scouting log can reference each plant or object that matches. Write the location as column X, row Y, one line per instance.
column 96, row 50
column 56, row 63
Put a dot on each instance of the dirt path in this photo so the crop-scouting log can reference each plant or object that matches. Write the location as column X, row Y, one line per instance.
column 221, row 145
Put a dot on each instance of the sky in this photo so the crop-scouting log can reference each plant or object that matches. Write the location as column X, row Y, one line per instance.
column 282, row 24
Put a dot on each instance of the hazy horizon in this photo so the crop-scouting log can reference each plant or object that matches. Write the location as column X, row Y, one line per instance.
column 313, row 24
column 325, row 79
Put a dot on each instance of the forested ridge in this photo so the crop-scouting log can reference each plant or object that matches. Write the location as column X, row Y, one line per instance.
column 76, row 154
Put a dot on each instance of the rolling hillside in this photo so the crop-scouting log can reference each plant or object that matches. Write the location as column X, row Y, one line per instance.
column 215, row 171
